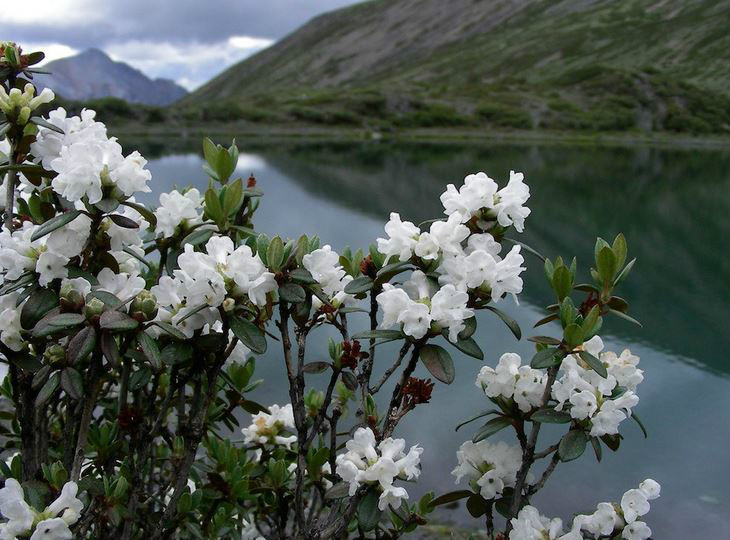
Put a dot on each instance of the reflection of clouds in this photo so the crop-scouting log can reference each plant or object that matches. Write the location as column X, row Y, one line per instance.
column 250, row 162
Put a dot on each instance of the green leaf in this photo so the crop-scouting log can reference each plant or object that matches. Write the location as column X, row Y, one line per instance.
column 81, row 345
column 192, row 312
column 636, row 419
column 509, row 321
column 233, row 198
column 109, row 348
column 476, row 505
column 387, row 272
column 620, row 250
column 490, row 428
column 359, row 285
column 451, row 497
column 72, row 383
column 550, row 416
column 315, row 367
column 123, row 221
column 597, row 450
column 38, row 304
column 590, row 322
column 562, row 282
column 438, row 362
column 213, row 206
column 170, row 329
column 38, row 121
column 198, row 236
column 468, row 346
column 573, row 334
column 249, row 334
column 470, row 326
column 57, row 323
column 292, row 293
column 275, row 254
column 546, row 358
column 606, row 264
column 302, row 275
column 54, row 223
column 338, row 491
column 545, row 320
column 142, row 210
column 572, row 445
column 388, row 335
column 594, row 363
column 117, row 321
column 368, row 513
column 625, row 272
column 177, row 352
column 475, row 417
column 48, row 389
column 108, row 298
column 150, row 349
column 23, row 360
column 625, row 317
column 545, row 340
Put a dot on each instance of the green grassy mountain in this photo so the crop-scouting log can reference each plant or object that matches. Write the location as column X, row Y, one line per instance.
column 606, row 65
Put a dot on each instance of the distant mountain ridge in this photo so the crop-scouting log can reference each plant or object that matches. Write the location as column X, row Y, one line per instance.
column 605, row 64
column 93, row 74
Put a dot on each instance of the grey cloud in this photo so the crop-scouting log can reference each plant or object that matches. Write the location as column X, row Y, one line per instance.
column 178, row 21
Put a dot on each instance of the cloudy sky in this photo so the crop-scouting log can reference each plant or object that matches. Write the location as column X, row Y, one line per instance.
column 189, row 41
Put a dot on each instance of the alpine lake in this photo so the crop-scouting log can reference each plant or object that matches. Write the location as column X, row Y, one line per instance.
column 673, row 206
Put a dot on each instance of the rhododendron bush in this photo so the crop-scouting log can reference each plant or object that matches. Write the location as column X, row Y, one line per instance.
column 129, row 337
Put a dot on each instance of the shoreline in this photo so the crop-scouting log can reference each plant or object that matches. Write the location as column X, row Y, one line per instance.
column 435, row 135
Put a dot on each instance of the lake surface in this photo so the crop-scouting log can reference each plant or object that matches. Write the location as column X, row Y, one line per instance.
column 672, row 205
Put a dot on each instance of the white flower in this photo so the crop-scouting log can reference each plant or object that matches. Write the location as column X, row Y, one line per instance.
column 510, row 380
column 511, row 198
column 530, row 525
column 70, row 239
column 477, row 192
column 268, row 428
column 14, row 508
column 10, row 322
column 447, row 236
column 130, row 176
column 52, row 529
column 178, row 210
column 448, row 309
column 67, row 504
column 402, row 238
column 122, row 237
column 488, row 468
column 48, row 143
column 634, row 504
column 601, row 522
column 500, row 381
column 399, row 308
column 363, row 463
column 650, row 488
column 50, row 266
column 324, row 265
column 638, row 530
column 121, row 285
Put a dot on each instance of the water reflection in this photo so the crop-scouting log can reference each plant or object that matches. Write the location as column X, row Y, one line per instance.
column 673, row 206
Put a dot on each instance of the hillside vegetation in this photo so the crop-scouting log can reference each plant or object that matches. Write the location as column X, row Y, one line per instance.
column 600, row 65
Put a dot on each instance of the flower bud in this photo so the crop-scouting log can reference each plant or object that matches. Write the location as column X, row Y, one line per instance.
column 71, row 299
column 229, row 304
column 144, row 306
column 55, row 354
column 93, row 308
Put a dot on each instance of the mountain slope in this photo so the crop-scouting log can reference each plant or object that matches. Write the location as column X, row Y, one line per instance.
column 503, row 58
column 92, row 74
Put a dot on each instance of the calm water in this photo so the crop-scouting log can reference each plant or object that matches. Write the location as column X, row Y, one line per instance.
column 672, row 205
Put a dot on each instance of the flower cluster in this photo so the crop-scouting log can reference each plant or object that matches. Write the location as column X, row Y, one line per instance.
column 366, row 463
column 178, row 212
column 606, row 402
column 464, row 253
column 50, row 524
column 323, row 264
column 269, row 428
column 512, row 380
column 19, row 105
column 489, row 468
column 418, row 310
column 221, row 272
column 608, row 519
